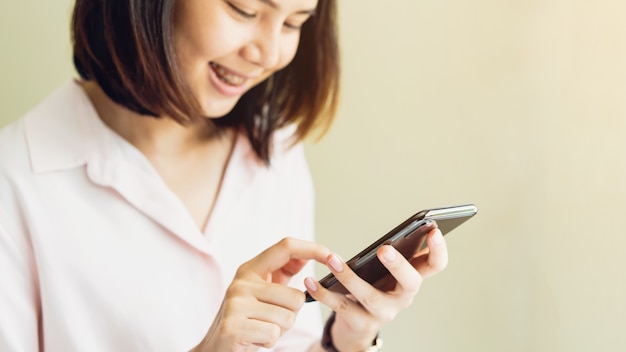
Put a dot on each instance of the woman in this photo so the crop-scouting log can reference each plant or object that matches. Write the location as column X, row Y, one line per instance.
column 132, row 200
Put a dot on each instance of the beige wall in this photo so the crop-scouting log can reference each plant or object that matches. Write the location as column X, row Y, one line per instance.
column 35, row 47
column 518, row 106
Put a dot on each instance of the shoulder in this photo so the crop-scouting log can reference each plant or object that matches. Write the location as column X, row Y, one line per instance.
column 14, row 173
column 47, row 136
column 13, row 150
column 15, row 137
column 15, row 168
column 37, row 138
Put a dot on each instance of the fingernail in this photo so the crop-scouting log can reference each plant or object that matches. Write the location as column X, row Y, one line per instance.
column 389, row 254
column 438, row 238
column 310, row 284
column 335, row 263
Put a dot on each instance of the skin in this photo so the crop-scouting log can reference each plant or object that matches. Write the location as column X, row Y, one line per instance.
column 258, row 308
column 255, row 38
column 362, row 314
column 261, row 40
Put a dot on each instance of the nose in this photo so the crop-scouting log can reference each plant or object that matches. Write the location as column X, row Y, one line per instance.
column 264, row 47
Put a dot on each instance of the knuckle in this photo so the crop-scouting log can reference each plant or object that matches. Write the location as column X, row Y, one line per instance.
column 294, row 301
column 271, row 335
column 342, row 305
column 285, row 318
column 274, row 333
column 413, row 286
column 407, row 303
column 371, row 299
column 387, row 315
column 298, row 300
column 289, row 320
column 229, row 329
column 439, row 265
column 236, row 288
column 243, row 269
column 229, row 307
column 268, row 345
column 235, row 347
column 287, row 242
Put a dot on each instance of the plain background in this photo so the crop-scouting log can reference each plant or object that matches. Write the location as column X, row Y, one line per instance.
column 517, row 106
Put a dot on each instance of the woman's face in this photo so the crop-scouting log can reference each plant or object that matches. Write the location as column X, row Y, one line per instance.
column 225, row 47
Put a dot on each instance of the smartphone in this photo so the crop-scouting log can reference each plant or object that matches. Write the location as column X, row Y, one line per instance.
column 409, row 238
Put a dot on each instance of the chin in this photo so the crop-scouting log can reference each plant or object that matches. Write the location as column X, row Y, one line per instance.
column 216, row 111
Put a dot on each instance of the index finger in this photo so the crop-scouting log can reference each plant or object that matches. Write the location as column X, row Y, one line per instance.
column 286, row 250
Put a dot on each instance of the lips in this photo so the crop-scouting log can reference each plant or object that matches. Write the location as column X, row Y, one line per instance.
column 227, row 76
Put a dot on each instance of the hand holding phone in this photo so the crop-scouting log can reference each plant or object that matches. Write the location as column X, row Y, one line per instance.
column 408, row 238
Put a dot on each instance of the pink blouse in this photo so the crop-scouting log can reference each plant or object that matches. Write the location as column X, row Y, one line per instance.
column 98, row 254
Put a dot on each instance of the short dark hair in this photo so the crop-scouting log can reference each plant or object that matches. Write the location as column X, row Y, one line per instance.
column 127, row 48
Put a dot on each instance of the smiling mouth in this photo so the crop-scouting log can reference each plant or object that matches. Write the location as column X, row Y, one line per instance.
column 227, row 76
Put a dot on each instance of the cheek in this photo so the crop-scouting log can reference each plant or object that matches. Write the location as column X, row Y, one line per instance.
column 199, row 27
column 288, row 51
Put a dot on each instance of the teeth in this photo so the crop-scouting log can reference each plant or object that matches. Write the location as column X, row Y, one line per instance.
column 226, row 76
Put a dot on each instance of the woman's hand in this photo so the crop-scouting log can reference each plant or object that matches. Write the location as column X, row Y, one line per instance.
column 258, row 306
column 362, row 313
